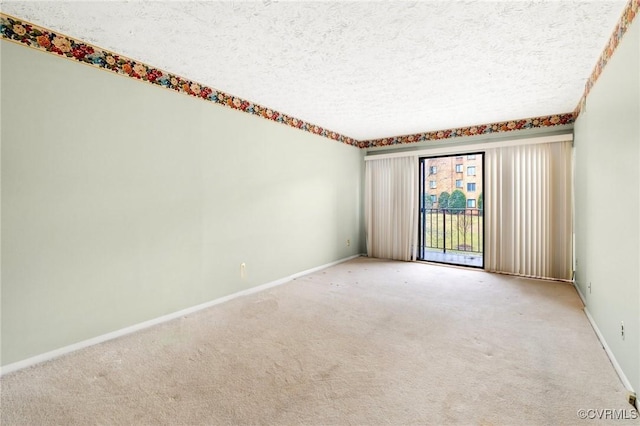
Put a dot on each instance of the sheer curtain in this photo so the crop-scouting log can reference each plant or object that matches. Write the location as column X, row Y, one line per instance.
column 391, row 207
column 528, row 210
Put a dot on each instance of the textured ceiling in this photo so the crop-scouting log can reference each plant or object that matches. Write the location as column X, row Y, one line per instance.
column 364, row 69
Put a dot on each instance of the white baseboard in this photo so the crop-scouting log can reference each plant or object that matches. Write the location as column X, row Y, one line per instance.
column 612, row 358
column 584, row 300
column 146, row 324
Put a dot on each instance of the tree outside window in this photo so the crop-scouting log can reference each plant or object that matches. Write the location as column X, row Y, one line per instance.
column 443, row 200
column 457, row 201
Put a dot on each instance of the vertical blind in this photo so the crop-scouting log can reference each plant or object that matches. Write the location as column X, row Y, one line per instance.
column 528, row 210
column 391, row 207
column 527, row 203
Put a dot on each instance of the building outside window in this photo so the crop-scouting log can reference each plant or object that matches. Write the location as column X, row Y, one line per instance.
column 447, row 174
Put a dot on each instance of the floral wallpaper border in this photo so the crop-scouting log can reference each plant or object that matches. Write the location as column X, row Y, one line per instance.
column 28, row 34
column 483, row 129
column 628, row 15
column 31, row 35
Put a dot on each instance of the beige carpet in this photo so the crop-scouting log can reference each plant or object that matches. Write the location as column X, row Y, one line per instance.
column 367, row 342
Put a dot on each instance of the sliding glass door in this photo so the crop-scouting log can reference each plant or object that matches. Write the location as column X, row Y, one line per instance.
column 451, row 215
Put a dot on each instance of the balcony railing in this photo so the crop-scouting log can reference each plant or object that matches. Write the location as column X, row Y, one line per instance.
column 451, row 230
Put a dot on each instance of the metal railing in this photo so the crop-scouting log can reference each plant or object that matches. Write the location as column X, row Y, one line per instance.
column 454, row 230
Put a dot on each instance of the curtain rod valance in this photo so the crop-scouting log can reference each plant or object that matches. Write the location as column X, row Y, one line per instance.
column 478, row 146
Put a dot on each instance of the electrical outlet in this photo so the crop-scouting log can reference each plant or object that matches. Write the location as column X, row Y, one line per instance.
column 348, row 243
column 622, row 329
column 589, row 287
column 243, row 270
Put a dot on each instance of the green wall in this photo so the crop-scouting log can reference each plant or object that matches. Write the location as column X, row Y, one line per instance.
column 123, row 202
column 607, row 210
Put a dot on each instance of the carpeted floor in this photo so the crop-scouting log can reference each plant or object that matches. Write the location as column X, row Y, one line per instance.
column 367, row 342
